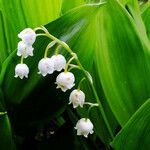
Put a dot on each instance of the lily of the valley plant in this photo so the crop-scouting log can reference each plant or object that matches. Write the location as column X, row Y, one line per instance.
column 77, row 76
column 47, row 65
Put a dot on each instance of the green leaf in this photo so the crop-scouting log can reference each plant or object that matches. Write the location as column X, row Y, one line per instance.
column 135, row 134
column 66, row 6
column 121, row 61
column 72, row 4
column 48, row 10
column 6, row 139
column 4, row 53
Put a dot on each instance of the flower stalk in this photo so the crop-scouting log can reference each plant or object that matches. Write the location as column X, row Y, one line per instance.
column 63, row 44
column 65, row 80
column 67, row 65
column 79, row 85
column 51, row 44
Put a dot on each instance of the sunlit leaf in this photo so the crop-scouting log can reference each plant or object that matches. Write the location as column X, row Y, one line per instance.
column 73, row 3
column 145, row 17
column 121, row 61
column 135, row 134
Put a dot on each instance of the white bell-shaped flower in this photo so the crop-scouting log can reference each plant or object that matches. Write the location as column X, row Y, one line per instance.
column 65, row 81
column 59, row 62
column 28, row 36
column 24, row 50
column 46, row 66
column 84, row 126
column 77, row 98
column 21, row 71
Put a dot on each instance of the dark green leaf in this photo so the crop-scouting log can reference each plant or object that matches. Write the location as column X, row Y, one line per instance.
column 6, row 139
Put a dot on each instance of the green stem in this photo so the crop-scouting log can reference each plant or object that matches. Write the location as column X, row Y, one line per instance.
column 3, row 113
column 68, row 63
column 88, row 113
column 51, row 44
column 87, row 77
column 102, row 111
column 73, row 67
column 22, row 57
column 81, row 83
column 57, row 50
column 91, row 106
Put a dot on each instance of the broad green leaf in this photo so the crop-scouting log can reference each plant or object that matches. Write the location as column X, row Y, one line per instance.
column 135, row 134
column 68, row 5
column 6, row 139
column 4, row 53
column 48, row 10
column 121, row 61
column 71, row 4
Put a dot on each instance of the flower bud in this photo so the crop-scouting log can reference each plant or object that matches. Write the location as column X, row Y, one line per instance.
column 59, row 62
column 28, row 36
column 24, row 50
column 84, row 126
column 46, row 66
column 77, row 98
column 65, row 81
column 21, row 71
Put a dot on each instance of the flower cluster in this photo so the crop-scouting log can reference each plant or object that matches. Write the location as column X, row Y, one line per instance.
column 47, row 65
column 28, row 37
column 25, row 49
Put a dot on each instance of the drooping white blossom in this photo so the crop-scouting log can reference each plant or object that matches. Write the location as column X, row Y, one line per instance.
column 28, row 36
column 24, row 50
column 59, row 62
column 21, row 71
column 77, row 98
column 65, row 81
column 46, row 66
column 84, row 127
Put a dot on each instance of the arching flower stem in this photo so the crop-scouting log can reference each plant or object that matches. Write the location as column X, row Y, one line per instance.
column 63, row 44
column 79, row 85
column 51, row 44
